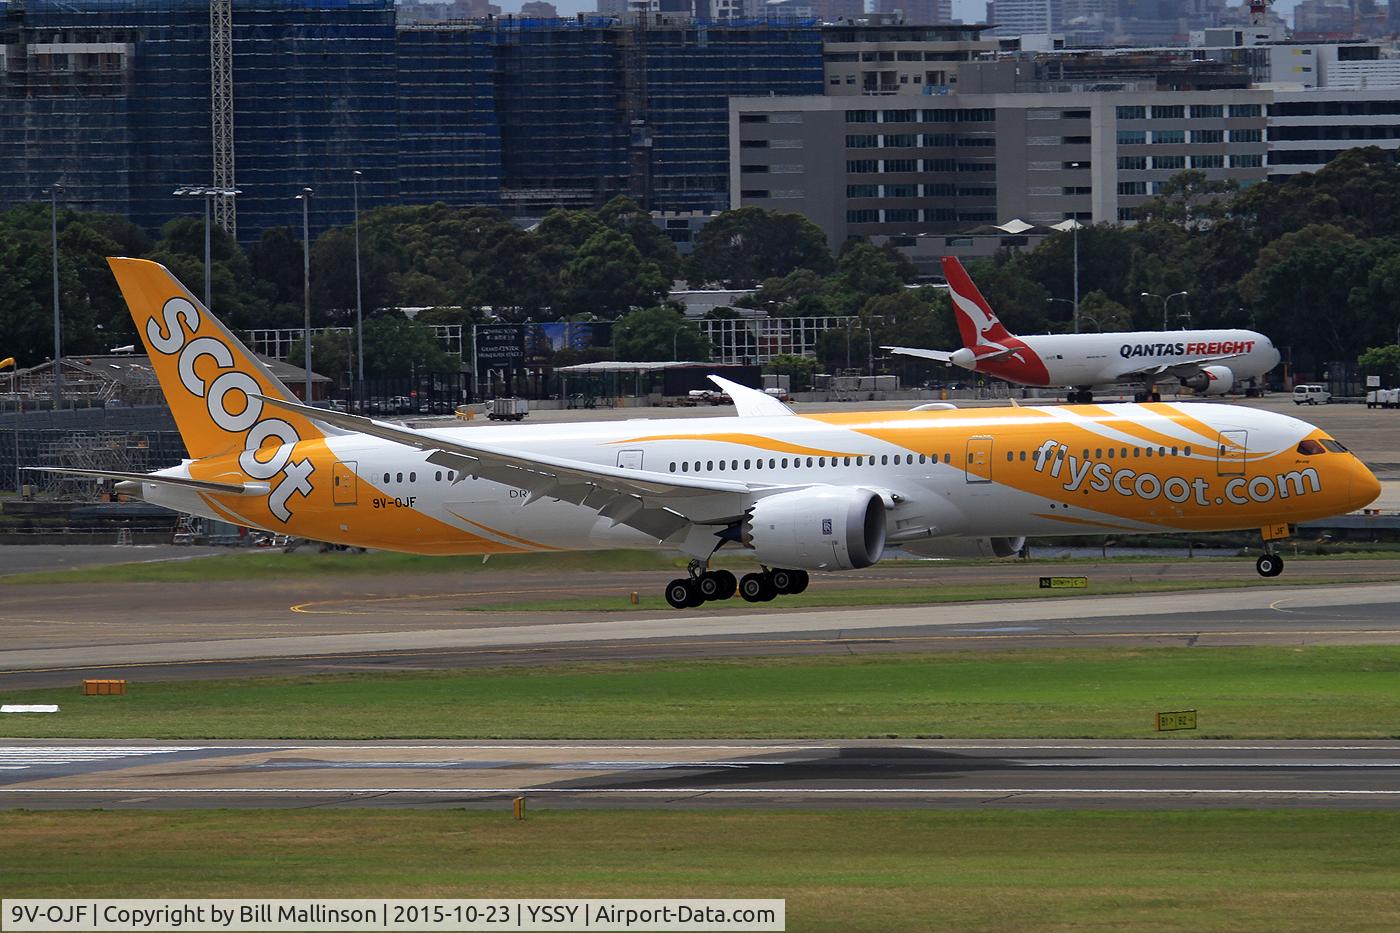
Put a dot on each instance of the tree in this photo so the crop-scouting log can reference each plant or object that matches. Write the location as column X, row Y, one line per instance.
column 741, row 248
column 1099, row 312
column 1383, row 362
column 627, row 217
column 659, row 333
column 400, row 345
column 798, row 369
column 1190, row 199
column 608, row 276
column 1016, row 296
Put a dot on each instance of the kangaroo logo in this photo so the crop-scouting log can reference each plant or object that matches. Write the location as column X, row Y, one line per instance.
column 181, row 320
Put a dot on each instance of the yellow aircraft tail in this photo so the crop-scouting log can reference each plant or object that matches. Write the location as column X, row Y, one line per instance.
column 209, row 378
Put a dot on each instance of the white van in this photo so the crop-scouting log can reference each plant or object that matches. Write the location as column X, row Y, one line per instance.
column 1311, row 394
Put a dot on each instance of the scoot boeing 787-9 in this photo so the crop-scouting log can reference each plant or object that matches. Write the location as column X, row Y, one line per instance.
column 796, row 493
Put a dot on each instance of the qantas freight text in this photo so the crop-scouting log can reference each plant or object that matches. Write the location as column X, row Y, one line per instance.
column 1198, row 348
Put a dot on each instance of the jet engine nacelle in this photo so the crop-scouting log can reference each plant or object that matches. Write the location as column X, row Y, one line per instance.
column 1211, row 380
column 965, row 548
column 819, row 528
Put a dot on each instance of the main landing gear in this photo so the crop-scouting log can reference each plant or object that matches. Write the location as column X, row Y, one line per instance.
column 703, row 586
column 1080, row 397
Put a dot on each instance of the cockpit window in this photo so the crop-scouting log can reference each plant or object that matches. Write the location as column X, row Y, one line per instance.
column 1309, row 448
column 1337, row 447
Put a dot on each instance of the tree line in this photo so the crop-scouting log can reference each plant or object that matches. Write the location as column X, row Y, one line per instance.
column 1313, row 262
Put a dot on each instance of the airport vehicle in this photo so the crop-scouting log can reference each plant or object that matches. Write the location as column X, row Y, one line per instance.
column 507, row 409
column 1209, row 362
column 798, row 493
column 1382, row 398
column 1311, row 394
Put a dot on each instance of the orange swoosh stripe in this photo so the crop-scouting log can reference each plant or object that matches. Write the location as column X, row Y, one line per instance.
column 745, row 440
column 509, row 537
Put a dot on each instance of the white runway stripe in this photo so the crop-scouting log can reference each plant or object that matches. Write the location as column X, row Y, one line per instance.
column 20, row 757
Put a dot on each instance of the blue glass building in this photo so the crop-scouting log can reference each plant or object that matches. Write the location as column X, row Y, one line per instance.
column 112, row 98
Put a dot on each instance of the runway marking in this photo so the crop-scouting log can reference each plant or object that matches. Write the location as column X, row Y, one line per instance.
column 753, row 791
column 22, row 757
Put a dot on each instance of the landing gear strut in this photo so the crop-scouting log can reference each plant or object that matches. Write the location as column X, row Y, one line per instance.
column 701, row 586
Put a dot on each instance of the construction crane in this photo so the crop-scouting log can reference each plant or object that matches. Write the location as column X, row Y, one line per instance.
column 221, row 116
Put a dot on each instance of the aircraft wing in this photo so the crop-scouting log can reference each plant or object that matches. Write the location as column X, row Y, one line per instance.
column 200, row 485
column 938, row 356
column 658, row 504
column 1180, row 369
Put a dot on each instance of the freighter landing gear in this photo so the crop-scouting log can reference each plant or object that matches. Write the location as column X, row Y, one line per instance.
column 1269, row 565
column 1080, row 397
column 700, row 587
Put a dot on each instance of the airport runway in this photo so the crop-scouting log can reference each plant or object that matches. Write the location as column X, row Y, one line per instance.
column 383, row 639
column 962, row 774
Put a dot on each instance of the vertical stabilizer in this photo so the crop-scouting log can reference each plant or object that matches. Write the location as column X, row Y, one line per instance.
column 977, row 323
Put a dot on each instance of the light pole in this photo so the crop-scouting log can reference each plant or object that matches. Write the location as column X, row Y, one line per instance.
column 1164, row 303
column 359, row 308
column 208, row 194
column 1076, row 274
column 305, row 199
column 53, row 193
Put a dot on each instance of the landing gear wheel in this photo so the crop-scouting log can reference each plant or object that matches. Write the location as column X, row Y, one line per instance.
column 682, row 593
column 783, row 580
column 756, row 587
column 1156, row 396
column 800, row 581
column 1269, row 565
column 716, row 584
column 728, row 583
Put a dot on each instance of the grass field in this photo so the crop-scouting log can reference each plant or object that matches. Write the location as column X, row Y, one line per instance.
column 904, row 594
column 266, row 564
column 1317, row 692
column 838, row 870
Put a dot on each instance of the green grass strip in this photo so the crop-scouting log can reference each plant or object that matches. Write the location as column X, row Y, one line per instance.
column 1261, row 692
column 850, row 870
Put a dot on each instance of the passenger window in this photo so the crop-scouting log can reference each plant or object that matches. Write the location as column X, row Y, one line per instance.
column 785, row 463
column 1010, row 456
column 1149, row 451
column 733, row 464
column 748, row 462
column 809, row 461
column 685, row 467
column 413, row 477
column 923, row 458
column 1187, row 451
column 821, row 461
column 947, row 458
column 1023, row 456
column 1137, row 451
column 1110, row 453
column 1310, row 448
column 386, row 477
column 673, row 466
column 437, row 477
column 1123, row 453
column 451, row 475
column 398, row 477
column 884, row 461
column 1174, row 450
column 1098, row 454
column 709, row 466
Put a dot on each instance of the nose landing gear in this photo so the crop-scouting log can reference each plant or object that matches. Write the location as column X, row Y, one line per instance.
column 1269, row 565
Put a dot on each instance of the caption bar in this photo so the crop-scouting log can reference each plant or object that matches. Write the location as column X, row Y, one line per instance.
column 333, row 915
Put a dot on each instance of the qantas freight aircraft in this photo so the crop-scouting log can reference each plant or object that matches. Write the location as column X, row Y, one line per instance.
column 796, row 493
column 1210, row 362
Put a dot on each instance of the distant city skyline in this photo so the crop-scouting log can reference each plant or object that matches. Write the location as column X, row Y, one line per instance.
column 969, row 11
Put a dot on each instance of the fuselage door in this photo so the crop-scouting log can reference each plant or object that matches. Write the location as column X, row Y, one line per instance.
column 344, row 489
column 979, row 460
column 629, row 459
column 1230, row 450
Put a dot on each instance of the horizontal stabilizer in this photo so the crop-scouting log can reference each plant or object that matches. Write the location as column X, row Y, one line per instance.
column 938, row 356
column 202, row 485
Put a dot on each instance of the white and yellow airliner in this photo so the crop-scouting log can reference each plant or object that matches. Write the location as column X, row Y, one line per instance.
column 794, row 492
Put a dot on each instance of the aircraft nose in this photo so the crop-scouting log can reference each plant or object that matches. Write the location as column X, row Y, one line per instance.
column 1365, row 488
